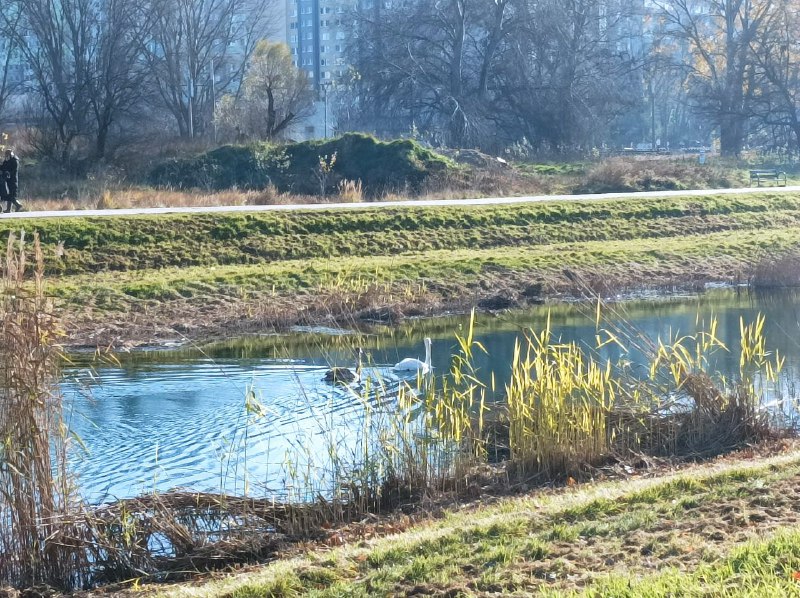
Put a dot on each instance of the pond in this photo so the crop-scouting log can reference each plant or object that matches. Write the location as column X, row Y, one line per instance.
column 181, row 418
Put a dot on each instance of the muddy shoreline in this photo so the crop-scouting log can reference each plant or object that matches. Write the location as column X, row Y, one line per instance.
column 180, row 323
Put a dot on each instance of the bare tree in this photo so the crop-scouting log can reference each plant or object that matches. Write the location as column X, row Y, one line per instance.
column 490, row 72
column 719, row 35
column 436, row 73
column 571, row 72
column 777, row 56
column 119, row 76
column 11, row 69
column 86, row 69
column 198, row 50
column 57, row 42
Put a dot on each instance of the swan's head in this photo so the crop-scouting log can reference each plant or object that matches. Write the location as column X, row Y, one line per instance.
column 427, row 342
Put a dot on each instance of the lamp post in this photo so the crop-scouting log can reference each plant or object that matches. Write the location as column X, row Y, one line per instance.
column 191, row 107
column 325, row 87
column 214, row 99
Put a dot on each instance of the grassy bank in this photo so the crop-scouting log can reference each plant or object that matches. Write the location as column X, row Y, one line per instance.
column 567, row 413
column 727, row 529
column 82, row 245
column 207, row 272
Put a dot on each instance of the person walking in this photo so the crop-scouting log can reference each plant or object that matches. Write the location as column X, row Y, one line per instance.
column 9, row 170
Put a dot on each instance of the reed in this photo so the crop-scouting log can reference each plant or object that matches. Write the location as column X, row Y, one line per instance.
column 558, row 401
column 566, row 409
column 775, row 271
column 350, row 191
column 40, row 542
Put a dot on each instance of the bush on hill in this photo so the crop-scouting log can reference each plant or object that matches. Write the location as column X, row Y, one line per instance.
column 296, row 168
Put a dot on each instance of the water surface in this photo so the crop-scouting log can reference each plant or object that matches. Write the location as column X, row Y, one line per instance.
column 166, row 419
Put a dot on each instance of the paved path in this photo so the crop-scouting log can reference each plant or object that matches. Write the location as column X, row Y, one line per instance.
column 379, row 205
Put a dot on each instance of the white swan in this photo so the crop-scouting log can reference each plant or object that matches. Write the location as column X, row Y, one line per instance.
column 409, row 364
column 345, row 375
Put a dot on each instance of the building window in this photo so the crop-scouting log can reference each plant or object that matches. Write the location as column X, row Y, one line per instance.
column 306, row 10
column 293, row 38
column 338, row 47
column 322, row 62
column 308, row 23
column 326, row 36
column 292, row 25
column 309, row 35
column 340, row 35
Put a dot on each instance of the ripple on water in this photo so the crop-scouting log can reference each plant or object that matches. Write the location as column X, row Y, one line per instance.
column 185, row 425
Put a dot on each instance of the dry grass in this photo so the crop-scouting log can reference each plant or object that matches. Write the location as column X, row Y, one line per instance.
column 141, row 197
column 632, row 174
column 776, row 271
column 39, row 542
column 350, row 191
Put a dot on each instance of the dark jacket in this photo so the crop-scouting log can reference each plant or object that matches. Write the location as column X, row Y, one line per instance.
column 10, row 168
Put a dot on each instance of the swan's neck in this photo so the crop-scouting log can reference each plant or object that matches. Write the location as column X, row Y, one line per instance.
column 428, row 355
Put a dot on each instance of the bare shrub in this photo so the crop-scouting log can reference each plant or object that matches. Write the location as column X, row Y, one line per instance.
column 776, row 271
column 264, row 197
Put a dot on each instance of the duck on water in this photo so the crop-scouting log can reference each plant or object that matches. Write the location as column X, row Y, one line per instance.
column 344, row 375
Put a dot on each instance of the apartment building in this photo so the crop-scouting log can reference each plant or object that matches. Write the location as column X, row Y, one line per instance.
column 317, row 33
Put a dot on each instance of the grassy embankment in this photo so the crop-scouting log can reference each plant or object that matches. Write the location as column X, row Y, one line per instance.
column 728, row 529
column 207, row 271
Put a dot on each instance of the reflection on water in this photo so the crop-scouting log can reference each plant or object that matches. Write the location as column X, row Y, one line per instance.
column 178, row 419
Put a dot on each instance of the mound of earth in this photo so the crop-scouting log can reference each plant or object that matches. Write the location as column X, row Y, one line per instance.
column 307, row 168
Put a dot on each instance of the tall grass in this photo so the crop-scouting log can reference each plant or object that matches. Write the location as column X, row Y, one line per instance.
column 558, row 403
column 38, row 539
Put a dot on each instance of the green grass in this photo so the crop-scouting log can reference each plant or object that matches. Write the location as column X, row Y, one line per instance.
column 429, row 255
column 640, row 538
column 552, row 169
column 145, row 242
column 761, row 568
column 714, row 256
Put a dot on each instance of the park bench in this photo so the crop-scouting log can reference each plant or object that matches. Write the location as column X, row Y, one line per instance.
column 767, row 175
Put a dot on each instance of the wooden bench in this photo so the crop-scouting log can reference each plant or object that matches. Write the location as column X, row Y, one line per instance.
column 767, row 175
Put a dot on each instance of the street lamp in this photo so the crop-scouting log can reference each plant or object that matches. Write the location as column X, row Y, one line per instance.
column 214, row 99
column 325, row 86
